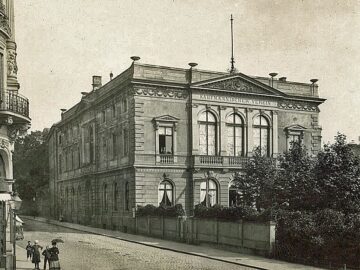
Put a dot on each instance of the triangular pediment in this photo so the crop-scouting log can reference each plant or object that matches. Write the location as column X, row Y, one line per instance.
column 166, row 118
column 238, row 83
column 295, row 127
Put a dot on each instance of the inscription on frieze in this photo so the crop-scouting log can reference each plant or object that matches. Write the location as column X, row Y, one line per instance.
column 239, row 100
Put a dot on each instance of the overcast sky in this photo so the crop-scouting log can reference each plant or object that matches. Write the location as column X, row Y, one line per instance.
column 61, row 44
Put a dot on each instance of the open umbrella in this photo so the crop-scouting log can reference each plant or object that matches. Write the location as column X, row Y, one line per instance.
column 57, row 240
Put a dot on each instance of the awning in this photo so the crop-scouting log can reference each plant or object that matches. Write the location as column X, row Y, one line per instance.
column 18, row 219
column 5, row 197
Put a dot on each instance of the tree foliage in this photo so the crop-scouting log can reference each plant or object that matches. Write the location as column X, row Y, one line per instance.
column 31, row 164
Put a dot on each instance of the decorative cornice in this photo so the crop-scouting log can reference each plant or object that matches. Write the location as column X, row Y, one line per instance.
column 298, row 106
column 164, row 93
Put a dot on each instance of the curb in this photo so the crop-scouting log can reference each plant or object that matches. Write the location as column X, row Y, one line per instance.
column 149, row 245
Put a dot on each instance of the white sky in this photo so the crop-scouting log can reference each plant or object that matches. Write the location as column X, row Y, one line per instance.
column 62, row 43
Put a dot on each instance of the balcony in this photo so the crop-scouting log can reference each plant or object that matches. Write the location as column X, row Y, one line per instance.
column 220, row 161
column 15, row 104
column 163, row 160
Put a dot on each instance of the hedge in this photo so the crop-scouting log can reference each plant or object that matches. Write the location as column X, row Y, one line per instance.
column 167, row 211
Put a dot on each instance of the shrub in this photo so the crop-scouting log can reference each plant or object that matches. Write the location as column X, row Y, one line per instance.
column 230, row 213
column 167, row 211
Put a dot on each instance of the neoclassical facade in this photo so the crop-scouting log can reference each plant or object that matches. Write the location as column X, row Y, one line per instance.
column 163, row 135
column 14, row 120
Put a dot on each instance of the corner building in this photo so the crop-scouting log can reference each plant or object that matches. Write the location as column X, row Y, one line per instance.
column 163, row 135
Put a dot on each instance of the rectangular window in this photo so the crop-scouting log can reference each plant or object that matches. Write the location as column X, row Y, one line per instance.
column 166, row 140
column 114, row 146
column 113, row 110
column 126, row 141
column 124, row 105
column 103, row 116
column 293, row 138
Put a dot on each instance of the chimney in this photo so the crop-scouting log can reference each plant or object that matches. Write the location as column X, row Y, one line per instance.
column 272, row 75
column 96, row 82
column 282, row 79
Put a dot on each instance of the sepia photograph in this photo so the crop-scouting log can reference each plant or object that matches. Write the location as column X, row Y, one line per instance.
column 179, row 134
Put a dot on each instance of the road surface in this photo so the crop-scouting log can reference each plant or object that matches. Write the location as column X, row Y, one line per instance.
column 84, row 251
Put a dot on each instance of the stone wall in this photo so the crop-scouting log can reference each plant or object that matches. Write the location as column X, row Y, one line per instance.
column 248, row 237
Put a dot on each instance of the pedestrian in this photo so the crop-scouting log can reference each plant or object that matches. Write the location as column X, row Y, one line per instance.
column 36, row 254
column 54, row 257
column 46, row 254
column 28, row 250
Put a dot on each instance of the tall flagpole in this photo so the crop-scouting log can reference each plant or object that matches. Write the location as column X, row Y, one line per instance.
column 232, row 69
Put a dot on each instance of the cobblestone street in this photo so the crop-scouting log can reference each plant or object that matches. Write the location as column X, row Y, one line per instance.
column 87, row 251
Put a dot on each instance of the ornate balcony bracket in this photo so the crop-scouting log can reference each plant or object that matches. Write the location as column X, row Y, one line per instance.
column 17, row 130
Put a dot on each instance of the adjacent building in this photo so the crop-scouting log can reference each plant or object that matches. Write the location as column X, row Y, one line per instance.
column 164, row 135
column 14, row 119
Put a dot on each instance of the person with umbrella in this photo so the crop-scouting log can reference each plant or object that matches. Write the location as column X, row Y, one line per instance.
column 54, row 255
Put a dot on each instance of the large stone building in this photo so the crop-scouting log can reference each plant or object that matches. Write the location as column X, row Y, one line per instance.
column 163, row 135
column 14, row 119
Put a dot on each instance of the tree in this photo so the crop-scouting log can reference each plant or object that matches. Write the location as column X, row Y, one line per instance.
column 295, row 185
column 337, row 174
column 255, row 186
column 31, row 164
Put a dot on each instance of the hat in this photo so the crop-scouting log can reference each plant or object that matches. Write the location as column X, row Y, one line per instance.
column 36, row 241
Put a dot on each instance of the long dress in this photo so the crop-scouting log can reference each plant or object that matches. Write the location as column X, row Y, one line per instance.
column 36, row 253
column 54, row 259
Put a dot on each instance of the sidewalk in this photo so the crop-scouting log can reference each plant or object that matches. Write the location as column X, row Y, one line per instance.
column 256, row 262
column 21, row 262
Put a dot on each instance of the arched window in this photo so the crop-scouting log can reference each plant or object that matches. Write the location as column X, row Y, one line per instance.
column 116, row 195
column 235, row 195
column 208, row 193
column 235, row 135
column 207, row 134
column 261, row 135
column 2, row 168
column 127, row 196
column 166, row 192
column 105, row 197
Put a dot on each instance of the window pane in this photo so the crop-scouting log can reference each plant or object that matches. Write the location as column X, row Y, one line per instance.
column 202, row 139
column 161, row 130
column 237, row 119
column 211, row 117
column 168, row 131
column 256, row 137
column 169, row 144
column 238, row 141
column 162, row 144
column 212, row 184
column 211, row 140
column 230, row 140
column 264, row 141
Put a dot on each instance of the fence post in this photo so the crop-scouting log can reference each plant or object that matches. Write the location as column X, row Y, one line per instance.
column 148, row 223
column 344, row 266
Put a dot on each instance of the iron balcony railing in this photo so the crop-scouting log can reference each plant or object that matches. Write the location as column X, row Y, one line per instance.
column 16, row 104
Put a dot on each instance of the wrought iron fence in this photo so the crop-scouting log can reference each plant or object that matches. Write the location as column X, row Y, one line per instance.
column 15, row 103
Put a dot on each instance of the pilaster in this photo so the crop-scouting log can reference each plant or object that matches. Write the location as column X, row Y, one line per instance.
column 250, row 135
column 275, row 137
